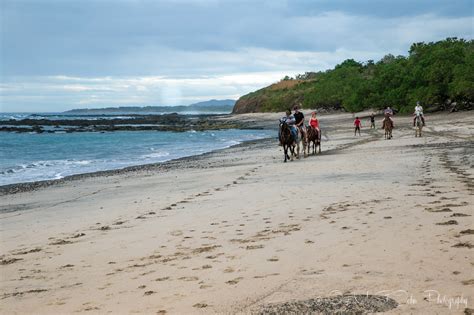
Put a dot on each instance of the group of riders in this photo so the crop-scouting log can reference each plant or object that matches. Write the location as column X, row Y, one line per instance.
column 296, row 120
column 388, row 113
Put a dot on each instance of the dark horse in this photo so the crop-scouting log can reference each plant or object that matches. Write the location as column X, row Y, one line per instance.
column 314, row 138
column 287, row 141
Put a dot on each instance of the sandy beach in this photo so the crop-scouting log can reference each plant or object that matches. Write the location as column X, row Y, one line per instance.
column 239, row 231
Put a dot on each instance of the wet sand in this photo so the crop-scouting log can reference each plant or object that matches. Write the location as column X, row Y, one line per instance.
column 239, row 231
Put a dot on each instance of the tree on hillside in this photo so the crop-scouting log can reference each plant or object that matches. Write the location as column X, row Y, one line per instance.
column 434, row 73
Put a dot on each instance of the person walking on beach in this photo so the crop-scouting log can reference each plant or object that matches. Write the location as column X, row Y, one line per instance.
column 372, row 121
column 357, row 124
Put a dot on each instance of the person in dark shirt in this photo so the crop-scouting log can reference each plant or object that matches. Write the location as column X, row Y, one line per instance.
column 299, row 121
column 372, row 121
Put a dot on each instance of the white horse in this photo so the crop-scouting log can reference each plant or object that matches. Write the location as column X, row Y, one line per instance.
column 301, row 141
column 418, row 125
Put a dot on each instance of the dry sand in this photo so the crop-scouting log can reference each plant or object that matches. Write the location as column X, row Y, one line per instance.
column 238, row 230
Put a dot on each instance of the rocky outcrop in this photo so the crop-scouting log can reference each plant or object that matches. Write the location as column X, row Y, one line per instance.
column 248, row 105
column 170, row 122
column 273, row 98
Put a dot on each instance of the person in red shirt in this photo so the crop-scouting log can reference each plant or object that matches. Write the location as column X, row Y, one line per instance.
column 314, row 122
column 357, row 125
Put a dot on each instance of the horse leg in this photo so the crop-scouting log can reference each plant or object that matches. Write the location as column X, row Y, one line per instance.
column 285, row 151
column 305, row 145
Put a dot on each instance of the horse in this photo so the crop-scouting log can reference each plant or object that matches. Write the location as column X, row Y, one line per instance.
column 418, row 125
column 314, row 138
column 287, row 141
column 388, row 126
column 303, row 140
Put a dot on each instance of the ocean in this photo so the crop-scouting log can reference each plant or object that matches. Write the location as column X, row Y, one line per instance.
column 27, row 157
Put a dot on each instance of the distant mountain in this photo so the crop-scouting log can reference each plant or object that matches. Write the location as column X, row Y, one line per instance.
column 211, row 106
column 214, row 103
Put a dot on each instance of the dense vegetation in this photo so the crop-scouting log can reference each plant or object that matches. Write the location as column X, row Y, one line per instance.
column 436, row 74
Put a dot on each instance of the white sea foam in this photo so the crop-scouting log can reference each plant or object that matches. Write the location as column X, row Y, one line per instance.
column 26, row 158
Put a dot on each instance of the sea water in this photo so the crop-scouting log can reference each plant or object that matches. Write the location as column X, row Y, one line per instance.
column 27, row 157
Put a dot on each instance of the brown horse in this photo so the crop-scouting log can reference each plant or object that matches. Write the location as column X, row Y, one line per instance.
column 314, row 138
column 287, row 141
column 388, row 126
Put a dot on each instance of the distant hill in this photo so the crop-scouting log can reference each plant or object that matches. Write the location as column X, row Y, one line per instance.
column 438, row 74
column 211, row 106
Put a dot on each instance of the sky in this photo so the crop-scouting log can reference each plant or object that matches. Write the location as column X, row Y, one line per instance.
column 57, row 55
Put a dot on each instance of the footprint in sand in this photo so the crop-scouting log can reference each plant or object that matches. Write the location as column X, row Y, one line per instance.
column 27, row 251
column 251, row 247
column 460, row 215
column 463, row 244
column 60, row 242
column 189, row 278
column 267, row 275
column 66, row 266
column 234, row 281
column 450, row 222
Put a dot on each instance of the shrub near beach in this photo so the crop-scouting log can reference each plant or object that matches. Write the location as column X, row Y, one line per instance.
column 438, row 74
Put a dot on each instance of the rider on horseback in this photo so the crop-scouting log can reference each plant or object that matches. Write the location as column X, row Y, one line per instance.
column 299, row 121
column 418, row 112
column 289, row 119
column 388, row 113
column 314, row 122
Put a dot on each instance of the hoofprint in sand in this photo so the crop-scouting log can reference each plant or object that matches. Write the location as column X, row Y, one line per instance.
column 238, row 230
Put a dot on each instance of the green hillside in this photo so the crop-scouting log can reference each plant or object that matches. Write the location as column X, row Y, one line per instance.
column 436, row 74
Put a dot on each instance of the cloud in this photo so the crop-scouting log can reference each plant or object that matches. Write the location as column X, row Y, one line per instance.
column 71, row 53
column 63, row 92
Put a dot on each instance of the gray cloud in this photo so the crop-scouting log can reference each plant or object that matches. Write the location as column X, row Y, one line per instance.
column 189, row 39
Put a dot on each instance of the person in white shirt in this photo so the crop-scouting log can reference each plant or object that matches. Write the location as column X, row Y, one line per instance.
column 418, row 111
column 289, row 119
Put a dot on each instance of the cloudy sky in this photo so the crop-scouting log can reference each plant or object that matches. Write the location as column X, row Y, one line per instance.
column 62, row 54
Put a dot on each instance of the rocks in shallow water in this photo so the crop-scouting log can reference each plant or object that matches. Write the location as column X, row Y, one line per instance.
column 167, row 122
column 341, row 304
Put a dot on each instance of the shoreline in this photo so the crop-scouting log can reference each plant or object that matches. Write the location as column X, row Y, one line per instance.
column 262, row 122
column 158, row 166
